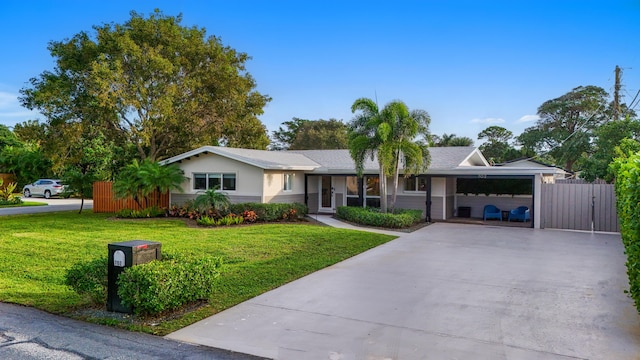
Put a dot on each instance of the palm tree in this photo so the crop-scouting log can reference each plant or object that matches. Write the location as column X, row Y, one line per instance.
column 213, row 199
column 390, row 134
column 140, row 179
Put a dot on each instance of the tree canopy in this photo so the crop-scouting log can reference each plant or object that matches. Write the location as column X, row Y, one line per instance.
column 303, row 134
column 566, row 125
column 608, row 138
column 449, row 140
column 320, row 135
column 154, row 84
column 497, row 147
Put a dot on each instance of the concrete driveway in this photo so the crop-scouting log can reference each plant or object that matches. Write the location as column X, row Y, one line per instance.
column 447, row 291
column 53, row 205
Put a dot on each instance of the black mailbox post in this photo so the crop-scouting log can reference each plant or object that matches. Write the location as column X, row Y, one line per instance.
column 123, row 255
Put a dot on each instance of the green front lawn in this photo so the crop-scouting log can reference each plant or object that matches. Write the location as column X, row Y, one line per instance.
column 24, row 203
column 37, row 249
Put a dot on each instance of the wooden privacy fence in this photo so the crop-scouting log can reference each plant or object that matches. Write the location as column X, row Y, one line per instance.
column 7, row 178
column 579, row 206
column 104, row 201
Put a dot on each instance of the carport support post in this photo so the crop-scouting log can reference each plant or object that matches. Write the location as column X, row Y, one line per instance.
column 427, row 217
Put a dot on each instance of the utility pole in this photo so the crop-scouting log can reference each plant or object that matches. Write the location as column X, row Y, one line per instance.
column 616, row 94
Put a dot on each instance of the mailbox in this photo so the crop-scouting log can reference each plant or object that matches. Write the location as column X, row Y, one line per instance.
column 123, row 255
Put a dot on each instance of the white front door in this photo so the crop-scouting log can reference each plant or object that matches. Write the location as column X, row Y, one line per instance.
column 326, row 199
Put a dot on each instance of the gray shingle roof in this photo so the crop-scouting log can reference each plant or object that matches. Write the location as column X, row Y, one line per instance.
column 327, row 161
column 260, row 158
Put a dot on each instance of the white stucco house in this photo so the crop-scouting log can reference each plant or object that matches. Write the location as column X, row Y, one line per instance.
column 326, row 179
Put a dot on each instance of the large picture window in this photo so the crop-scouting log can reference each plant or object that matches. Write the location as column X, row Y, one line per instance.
column 208, row 181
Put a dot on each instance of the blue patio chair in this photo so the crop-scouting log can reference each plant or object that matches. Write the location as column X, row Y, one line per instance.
column 520, row 213
column 492, row 212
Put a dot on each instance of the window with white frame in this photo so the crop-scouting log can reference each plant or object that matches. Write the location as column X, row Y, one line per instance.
column 220, row 181
column 415, row 183
column 288, row 182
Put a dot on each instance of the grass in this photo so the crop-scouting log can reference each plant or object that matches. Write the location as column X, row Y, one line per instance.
column 24, row 203
column 37, row 249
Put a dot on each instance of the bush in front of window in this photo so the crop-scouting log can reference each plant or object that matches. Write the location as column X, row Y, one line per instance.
column 402, row 218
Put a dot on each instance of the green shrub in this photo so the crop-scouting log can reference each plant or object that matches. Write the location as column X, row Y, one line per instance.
column 230, row 219
column 628, row 206
column 89, row 279
column 159, row 286
column 150, row 212
column 7, row 197
column 373, row 217
column 271, row 212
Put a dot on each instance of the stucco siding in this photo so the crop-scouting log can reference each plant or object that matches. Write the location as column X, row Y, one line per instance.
column 340, row 199
column 285, row 198
column 249, row 179
column 180, row 198
column 274, row 183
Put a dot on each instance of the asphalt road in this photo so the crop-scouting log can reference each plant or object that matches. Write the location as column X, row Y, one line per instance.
column 30, row 334
column 53, row 205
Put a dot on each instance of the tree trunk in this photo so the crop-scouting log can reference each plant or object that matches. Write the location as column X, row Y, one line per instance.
column 81, row 204
column 396, row 174
column 383, row 190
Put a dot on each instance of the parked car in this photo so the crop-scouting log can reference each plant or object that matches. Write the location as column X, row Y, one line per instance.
column 43, row 187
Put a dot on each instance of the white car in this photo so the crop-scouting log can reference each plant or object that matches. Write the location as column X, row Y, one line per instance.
column 43, row 187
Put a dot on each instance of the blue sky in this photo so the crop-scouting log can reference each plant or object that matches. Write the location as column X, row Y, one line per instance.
column 470, row 64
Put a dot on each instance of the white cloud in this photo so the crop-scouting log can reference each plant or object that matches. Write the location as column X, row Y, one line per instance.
column 488, row 121
column 8, row 100
column 528, row 118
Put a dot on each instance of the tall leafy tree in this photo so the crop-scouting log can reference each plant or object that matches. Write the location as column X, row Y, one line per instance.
column 390, row 134
column 320, row 135
column 497, row 147
column 157, row 85
column 286, row 134
column 450, row 140
column 609, row 136
column 31, row 131
column 566, row 125
column 8, row 138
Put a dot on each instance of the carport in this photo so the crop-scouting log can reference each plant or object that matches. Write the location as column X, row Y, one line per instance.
column 443, row 202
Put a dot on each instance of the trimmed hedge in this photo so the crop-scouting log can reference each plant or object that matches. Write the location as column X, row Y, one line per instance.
column 159, row 286
column 273, row 211
column 89, row 279
column 149, row 288
column 373, row 217
column 628, row 206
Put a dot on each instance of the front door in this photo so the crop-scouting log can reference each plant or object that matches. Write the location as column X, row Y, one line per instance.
column 326, row 200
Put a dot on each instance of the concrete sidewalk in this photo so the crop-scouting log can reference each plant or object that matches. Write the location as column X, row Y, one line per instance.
column 333, row 222
column 446, row 291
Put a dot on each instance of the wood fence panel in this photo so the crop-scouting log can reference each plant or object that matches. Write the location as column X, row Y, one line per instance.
column 104, row 201
column 7, row 178
column 579, row 206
